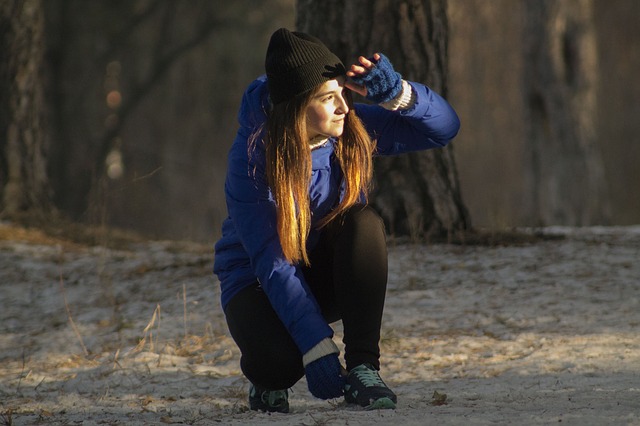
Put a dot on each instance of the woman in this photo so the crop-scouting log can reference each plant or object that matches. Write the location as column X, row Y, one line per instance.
column 301, row 248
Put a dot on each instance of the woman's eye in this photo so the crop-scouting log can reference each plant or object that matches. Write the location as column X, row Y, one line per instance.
column 327, row 98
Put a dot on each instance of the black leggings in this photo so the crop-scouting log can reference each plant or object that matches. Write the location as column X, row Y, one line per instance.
column 348, row 277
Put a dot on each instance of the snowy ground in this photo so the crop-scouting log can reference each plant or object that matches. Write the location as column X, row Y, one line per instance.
column 528, row 334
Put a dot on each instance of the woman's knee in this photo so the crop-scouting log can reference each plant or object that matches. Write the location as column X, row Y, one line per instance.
column 363, row 219
column 361, row 241
column 270, row 357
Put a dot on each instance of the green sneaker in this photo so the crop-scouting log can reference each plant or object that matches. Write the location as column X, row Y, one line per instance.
column 365, row 388
column 272, row 401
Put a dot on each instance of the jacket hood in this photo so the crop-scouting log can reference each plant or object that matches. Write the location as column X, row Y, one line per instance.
column 255, row 104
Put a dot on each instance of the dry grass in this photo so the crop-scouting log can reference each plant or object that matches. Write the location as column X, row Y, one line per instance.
column 53, row 229
column 6, row 417
column 479, row 237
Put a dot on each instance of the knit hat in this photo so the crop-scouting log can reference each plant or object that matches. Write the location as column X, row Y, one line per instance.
column 296, row 63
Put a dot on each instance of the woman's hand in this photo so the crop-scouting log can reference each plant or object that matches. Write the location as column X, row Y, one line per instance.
column 359, row 71
column 374, row 78
column 325, row 377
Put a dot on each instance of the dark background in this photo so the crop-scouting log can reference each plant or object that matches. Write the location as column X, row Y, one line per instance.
column 175, row 72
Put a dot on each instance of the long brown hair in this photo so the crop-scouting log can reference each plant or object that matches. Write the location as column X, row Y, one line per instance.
column 288, row 169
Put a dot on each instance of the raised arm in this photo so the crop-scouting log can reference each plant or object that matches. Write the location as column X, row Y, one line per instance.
column 409, row 116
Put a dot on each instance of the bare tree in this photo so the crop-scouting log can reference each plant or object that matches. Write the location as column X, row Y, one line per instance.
column 126, row 60
column 145, row 95
column 565, row 170
column 23, row 178
column 417, row 194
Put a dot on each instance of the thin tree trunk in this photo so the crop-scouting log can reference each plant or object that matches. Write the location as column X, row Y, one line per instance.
column 417, row 194
column 23, row 178
column 566, row 175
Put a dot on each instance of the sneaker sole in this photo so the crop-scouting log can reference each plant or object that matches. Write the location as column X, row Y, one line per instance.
column 382, row 404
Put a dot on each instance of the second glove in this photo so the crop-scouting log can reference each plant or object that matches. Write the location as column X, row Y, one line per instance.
column 324, row 377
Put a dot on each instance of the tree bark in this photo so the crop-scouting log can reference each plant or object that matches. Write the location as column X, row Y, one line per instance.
column 565, row 170
column 417, row 194
column 23, row 179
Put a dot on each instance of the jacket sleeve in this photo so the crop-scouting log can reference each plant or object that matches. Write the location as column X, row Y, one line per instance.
column 253, row 213
column 430, row 123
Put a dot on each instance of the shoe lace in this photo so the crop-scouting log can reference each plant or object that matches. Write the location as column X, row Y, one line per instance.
column 274, row 398
column 368, row 377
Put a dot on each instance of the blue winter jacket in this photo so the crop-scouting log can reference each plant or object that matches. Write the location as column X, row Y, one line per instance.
column 249, row 248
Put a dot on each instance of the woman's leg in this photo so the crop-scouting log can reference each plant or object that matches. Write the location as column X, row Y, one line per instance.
column 270, row 358
column 348, row 275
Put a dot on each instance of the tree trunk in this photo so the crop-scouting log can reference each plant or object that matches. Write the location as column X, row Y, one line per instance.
column 566, row 175
column 23, row 178
column 417, row 194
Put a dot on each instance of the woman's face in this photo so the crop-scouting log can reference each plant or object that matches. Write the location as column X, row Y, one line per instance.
column 327, row 110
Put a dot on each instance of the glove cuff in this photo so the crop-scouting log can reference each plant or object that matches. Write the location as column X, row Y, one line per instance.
column 325, row 347
column 404, row 100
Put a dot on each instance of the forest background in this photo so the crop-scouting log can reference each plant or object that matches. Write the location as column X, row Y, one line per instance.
column 121, row 112
column 142, row 97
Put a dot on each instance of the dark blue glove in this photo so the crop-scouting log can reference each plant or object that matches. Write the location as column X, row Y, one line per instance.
column 324, row 377
column 383, row 83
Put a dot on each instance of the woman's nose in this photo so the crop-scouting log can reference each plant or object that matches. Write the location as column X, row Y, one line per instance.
column 341, row 107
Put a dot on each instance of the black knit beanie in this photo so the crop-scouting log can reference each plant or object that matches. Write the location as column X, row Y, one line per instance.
column 296, row 63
